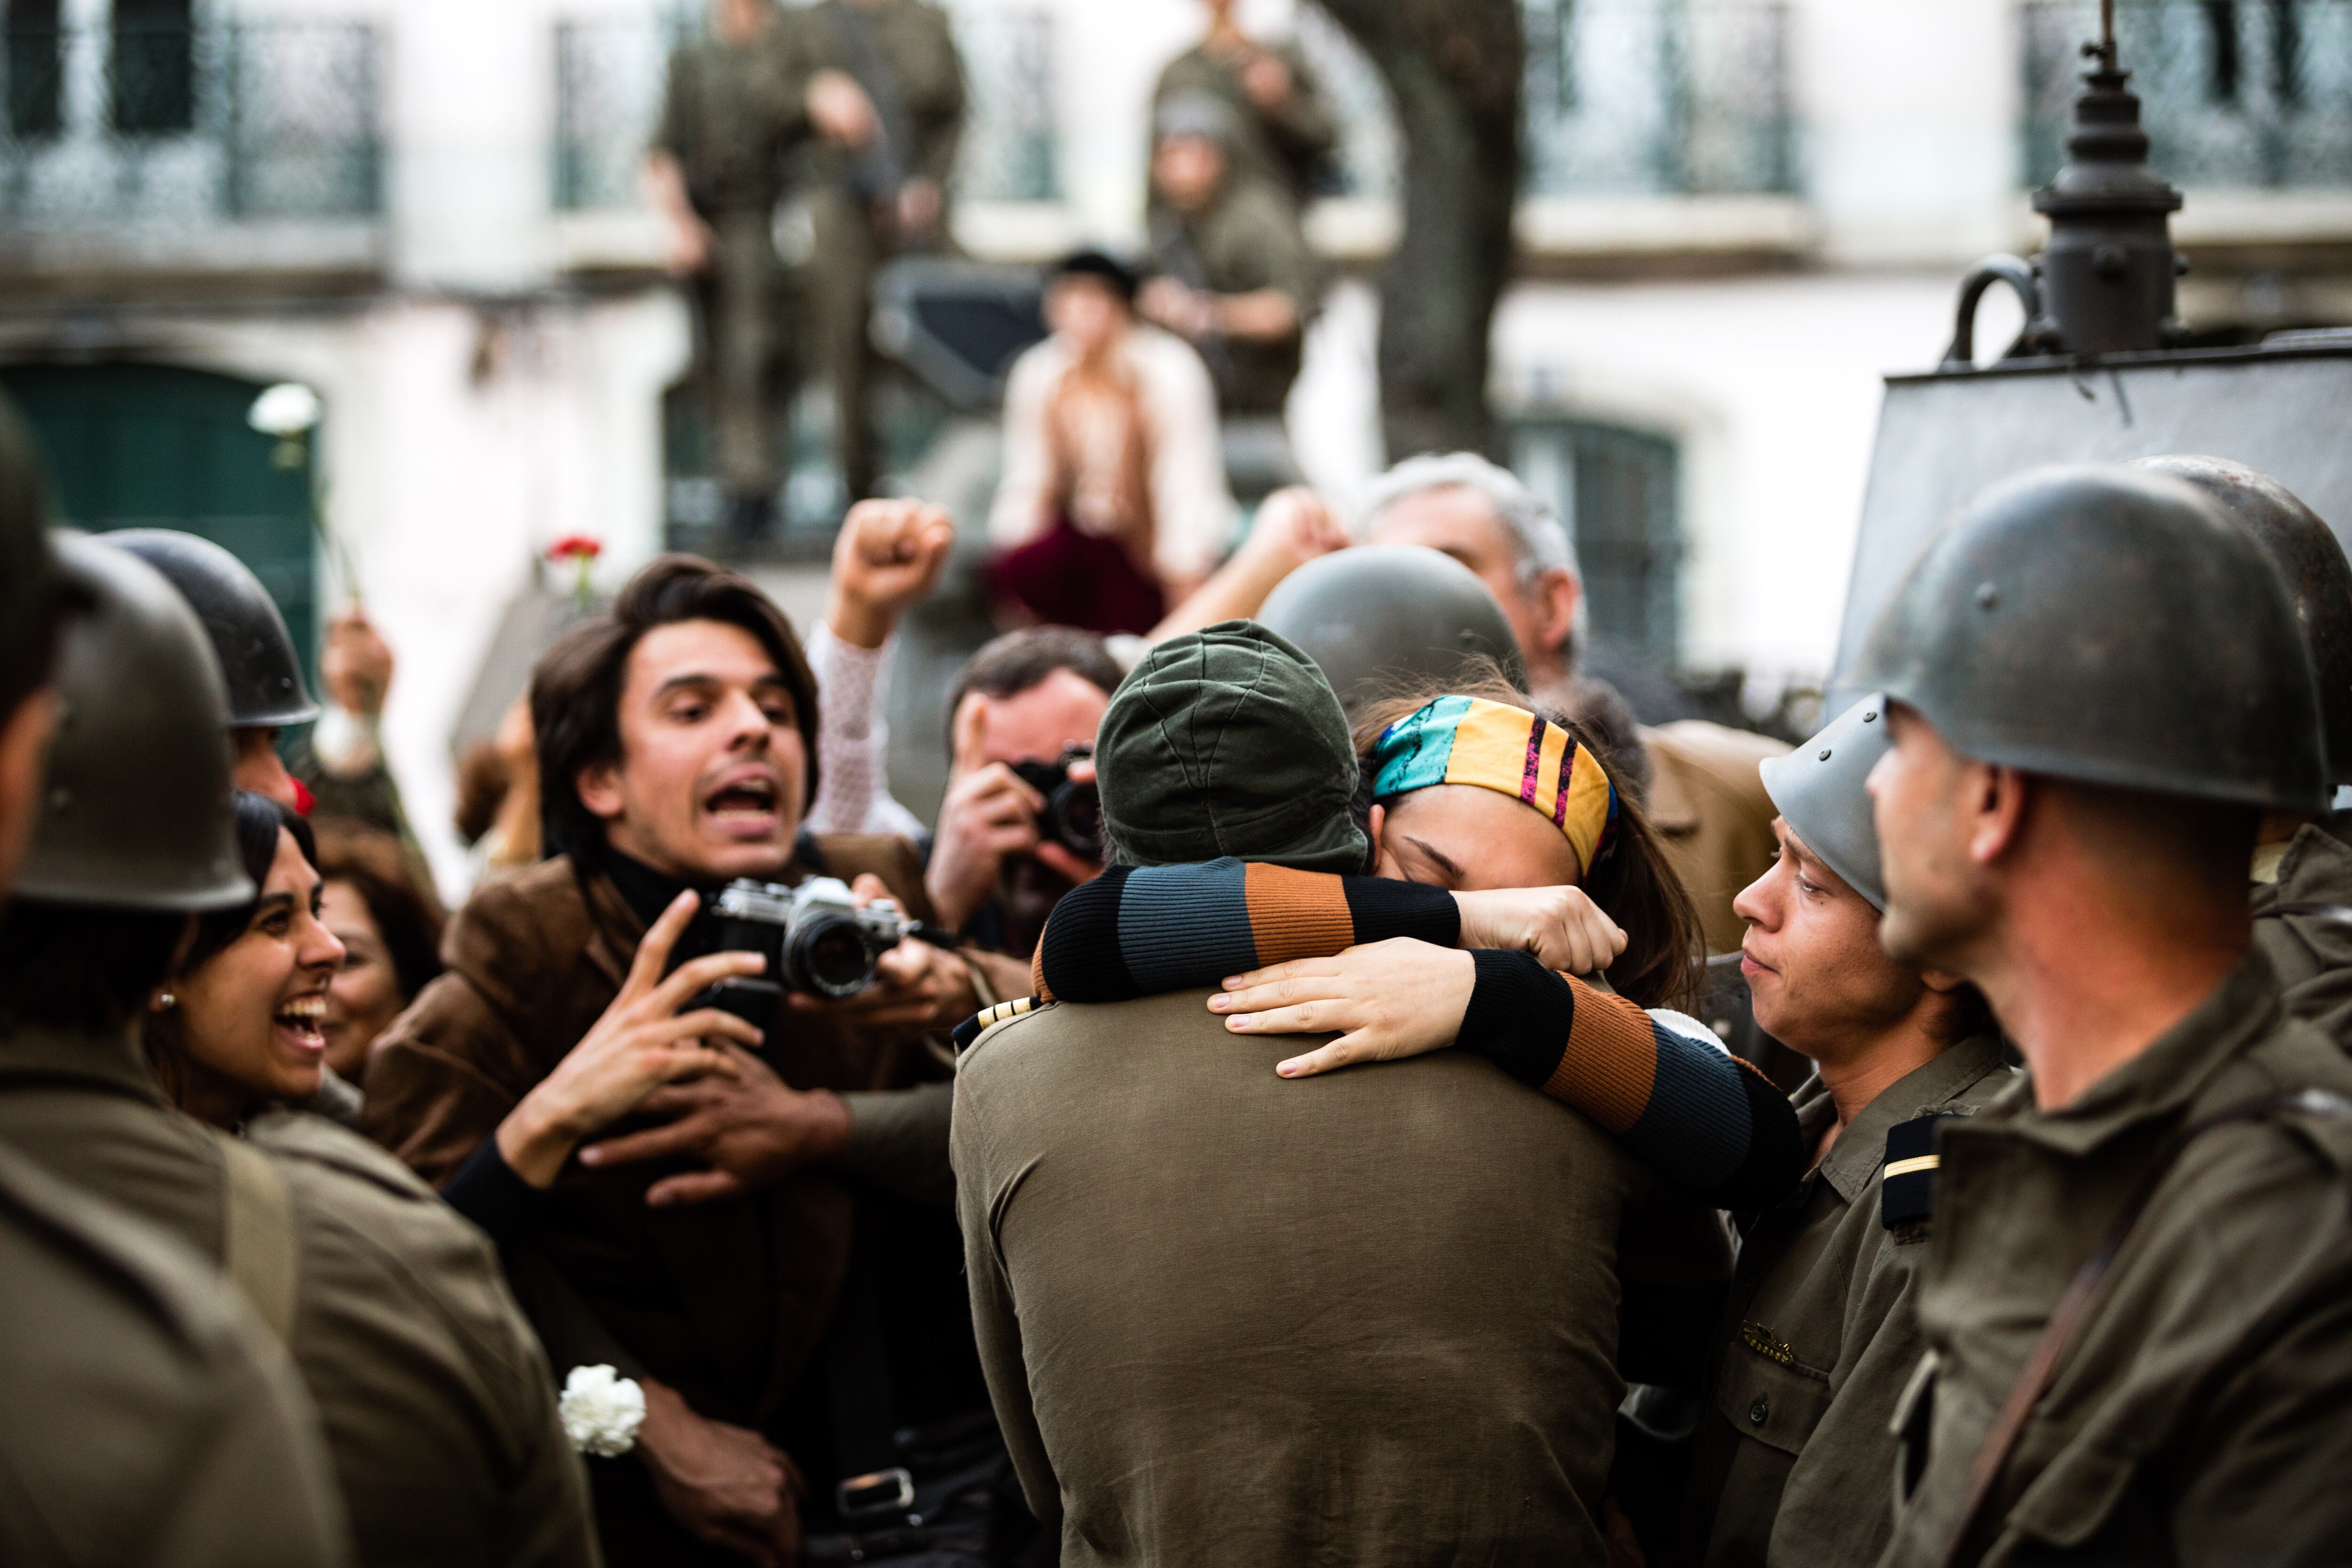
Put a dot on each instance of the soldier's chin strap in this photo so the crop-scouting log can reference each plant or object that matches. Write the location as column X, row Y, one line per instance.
column 2042, row 1366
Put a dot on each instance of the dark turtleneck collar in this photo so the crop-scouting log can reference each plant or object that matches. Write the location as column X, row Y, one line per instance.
column 646, row 891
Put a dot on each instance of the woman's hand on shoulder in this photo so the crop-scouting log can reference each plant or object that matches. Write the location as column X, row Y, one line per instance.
column 1384, row 1000
column 1562, row 927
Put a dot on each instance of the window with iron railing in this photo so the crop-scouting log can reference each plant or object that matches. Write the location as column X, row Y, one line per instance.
column 2248, row 94
column 1622, row 98
column 160, row 118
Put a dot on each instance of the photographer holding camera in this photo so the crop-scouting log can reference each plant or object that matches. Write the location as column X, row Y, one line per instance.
column 674, row 739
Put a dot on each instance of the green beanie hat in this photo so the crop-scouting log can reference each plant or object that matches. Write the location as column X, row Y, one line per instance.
column 1228, row 741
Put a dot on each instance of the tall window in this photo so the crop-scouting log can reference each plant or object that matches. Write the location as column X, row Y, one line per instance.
column 151, row 65
column 1620, row 492
column 35, row 75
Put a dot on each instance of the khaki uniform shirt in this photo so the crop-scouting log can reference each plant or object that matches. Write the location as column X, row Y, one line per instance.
column 438, row 1411
column 1288, row 144
column 1820, row 1335
column 2312, row 950
column 1364, row 1319
column 1246, row 238
column 2200, row 1415
column 914, row 75
column 730, row 115
column 144, row 1416
column 1712, row 816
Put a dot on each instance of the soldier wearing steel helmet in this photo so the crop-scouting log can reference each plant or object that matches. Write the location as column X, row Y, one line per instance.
column 2301, row 870
column 1788, row 1459
column 426, row 1380
column 249, row 639
column 151, row 1418
column 2133, row 1299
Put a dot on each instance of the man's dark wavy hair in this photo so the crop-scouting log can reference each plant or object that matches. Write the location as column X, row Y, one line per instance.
column 575, row 693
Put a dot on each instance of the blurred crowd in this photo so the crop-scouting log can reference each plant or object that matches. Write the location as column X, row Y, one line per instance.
column 1927, row 1145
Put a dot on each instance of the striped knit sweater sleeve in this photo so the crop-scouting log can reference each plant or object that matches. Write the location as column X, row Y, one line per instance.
column 1710, row 1122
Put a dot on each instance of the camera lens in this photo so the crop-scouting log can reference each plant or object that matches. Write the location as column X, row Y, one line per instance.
column 1077, row 813
column 831, row 959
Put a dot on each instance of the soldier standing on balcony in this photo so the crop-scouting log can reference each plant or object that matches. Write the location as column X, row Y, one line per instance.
column 1237, row 279
column 1285, row 132
column 880, row 194
column 738, row 101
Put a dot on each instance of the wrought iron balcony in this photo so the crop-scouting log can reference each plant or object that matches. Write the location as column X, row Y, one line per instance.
column 2246, row 94
column 131, row 128
column 609, row 74
column 1623, row 98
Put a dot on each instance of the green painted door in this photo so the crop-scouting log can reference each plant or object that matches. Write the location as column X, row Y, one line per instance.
column 152, row 446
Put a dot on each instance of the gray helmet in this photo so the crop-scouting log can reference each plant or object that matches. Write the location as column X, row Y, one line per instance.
column 1380, row 615
column 139, row 812
column 2318, row 578
column 256, row 653
column 2108, row 624
column 1818, row 790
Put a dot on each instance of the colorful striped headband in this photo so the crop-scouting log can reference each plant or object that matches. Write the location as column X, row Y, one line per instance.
column 1470, row 741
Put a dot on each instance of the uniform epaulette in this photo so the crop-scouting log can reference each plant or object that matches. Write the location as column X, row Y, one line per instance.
column 1907, row 1194
column 987, row 1018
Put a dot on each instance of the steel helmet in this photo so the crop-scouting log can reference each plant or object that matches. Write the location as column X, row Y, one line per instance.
column 256, row 654
column 2318, row 578
column 1819, row 791
column 138, row 812
column 2108, row 624
column 1381, row 615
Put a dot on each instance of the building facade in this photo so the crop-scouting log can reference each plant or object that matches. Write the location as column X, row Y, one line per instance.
column 1737, row 215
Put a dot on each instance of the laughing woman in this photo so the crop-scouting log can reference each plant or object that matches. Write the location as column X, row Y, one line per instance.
column 236, row 1029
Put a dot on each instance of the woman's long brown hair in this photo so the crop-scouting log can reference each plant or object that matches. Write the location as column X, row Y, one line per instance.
column 1634, row 884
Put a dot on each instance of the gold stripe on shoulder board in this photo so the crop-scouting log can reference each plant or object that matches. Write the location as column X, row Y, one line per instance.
column 1912, row 1166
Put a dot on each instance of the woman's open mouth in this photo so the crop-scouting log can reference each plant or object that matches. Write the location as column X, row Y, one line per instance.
column 299, row 1022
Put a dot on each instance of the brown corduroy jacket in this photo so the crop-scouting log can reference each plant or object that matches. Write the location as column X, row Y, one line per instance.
column 725, row 1301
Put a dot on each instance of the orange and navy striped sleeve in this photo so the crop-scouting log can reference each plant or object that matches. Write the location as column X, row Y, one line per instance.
column 1707, row 1120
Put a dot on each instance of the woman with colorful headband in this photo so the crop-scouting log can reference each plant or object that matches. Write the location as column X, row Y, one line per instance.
column 1463, row 793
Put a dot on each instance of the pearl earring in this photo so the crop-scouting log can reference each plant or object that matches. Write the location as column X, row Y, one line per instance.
column 167, row 1001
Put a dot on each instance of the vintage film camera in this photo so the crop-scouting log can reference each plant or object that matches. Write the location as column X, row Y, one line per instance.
column 1073, row 813
column 817, row 941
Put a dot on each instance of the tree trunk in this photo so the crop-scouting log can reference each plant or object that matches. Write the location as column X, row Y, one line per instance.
column 1455, row 70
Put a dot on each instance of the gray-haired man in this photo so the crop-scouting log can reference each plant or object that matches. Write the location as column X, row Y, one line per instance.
column 1704, row 796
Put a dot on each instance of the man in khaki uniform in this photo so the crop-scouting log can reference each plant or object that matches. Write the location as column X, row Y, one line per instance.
column 436, row 1407
column 1237, row 279
column 1704, row 796
column 147, row 1416
column 879, row 194
column 1792, row 1448
column 1285, row 131
column 2133, row 1299
column 1369, row 1318
column 735, row 106
column 2303, row 867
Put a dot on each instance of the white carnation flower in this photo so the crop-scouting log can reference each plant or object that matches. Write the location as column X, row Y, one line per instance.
column 285, row 410
column 602, row 1411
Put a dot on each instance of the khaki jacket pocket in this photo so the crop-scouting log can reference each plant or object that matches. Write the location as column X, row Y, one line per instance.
column 1767, row 1394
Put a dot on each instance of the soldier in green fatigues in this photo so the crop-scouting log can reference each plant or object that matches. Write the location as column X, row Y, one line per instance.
column 1820, row 1330
column 437, row 1411
column 2301, row 870
column 878, row 193
column 737, row 104
column 1236, row 277
column 146, row 1417
column 2139, row 1339
column 1285, row 132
